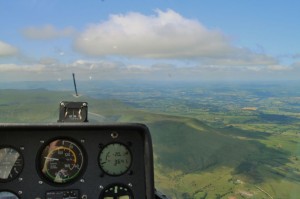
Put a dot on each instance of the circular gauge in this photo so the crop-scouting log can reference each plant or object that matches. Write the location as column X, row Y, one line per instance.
column 115, row 159
column 6, row 195
column 61, row 161
column 116, row 191
column 11, row 164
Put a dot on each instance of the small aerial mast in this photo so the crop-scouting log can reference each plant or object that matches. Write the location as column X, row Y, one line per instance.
column 75, row 84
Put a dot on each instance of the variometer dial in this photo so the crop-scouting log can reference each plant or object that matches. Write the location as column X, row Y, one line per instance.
column 118, row 191
column 115, row 159
column 61, row 161
column 11, row 164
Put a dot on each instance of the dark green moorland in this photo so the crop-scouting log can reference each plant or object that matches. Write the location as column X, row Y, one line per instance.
column 212, row 140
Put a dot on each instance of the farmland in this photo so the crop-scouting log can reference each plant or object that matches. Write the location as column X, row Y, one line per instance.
column 211, row 140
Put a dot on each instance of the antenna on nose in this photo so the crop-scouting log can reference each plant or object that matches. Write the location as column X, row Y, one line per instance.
column 75, row 84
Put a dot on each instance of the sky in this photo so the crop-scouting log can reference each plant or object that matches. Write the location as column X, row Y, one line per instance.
column 169, row 40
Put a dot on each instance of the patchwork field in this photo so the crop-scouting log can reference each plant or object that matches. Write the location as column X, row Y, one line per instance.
column 210, row 141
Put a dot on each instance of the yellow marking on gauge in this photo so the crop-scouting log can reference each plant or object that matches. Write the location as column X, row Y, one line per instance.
column 62, row 161
column 63, row 148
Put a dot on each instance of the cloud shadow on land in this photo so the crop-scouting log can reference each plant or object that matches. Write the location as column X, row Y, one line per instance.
column 194, row 147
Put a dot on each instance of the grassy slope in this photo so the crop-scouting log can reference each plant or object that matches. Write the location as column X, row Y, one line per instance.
column 29, row 105
column 199, row 159
column 192, row 160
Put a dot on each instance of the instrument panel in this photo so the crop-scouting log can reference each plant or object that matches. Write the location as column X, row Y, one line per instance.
column 76, row 161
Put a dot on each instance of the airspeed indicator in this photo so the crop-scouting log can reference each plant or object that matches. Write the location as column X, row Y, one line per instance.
column 61, row 161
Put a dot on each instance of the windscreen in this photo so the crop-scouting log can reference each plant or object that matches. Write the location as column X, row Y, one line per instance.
column 215, row 81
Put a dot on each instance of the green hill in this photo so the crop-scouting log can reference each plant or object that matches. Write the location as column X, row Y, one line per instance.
column 192, row 159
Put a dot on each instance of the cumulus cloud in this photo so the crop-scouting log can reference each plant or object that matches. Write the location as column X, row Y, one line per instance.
column 243, row 57
column 175, row 47
column 95, row 66
column 7, row 49
column 47, row 32
column 21, row 68
column 24, row 72
column 164, row 35
column 48, row 61
column 279, row 68
column 51, row 69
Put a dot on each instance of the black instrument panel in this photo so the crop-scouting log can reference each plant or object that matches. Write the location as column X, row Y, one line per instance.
column 70, row 161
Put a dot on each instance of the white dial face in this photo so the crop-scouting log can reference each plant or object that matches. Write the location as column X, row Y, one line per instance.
column 115, row 159
column 11, row 164
column 5, row 195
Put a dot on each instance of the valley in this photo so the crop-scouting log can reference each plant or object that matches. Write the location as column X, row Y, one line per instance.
column 211, row 140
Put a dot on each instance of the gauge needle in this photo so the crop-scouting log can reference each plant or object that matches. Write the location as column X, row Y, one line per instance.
column 51, row 158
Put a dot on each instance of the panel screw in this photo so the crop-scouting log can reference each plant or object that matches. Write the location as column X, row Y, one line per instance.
column 82, row 180
column 20, row 179
column 101, row 187
column 20, row 192
column 114, row 135
column 129, row 184
column 40, row 182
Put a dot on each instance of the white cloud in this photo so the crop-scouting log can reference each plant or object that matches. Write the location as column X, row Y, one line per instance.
column 7, row 49
column 95, row 66
column 243, row 57
column 278, row 68
column 18, row 69
column 51, row 69
column 48, row 61
column 176, row 47
column 47, row 32
column 164, row 35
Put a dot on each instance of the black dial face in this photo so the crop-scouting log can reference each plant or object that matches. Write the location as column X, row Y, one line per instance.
column 61, row 161
column 115, row 159
column 116, row 191
column 7, row 195
column 11, row 164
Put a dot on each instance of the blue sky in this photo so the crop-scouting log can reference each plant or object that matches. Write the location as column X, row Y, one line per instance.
column 149, row 39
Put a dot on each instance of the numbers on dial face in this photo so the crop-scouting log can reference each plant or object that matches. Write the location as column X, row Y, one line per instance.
column 117, row 191
column 62, row 161
column 115, row 159
column 11, row 164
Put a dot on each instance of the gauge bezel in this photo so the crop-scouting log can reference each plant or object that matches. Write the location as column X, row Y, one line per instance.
column 116, row 184
column 23, row 163
column 71, row 181
column 10, row 191
column 128, row 149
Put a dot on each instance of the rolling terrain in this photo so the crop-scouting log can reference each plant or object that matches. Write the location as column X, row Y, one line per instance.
column 210, row 141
